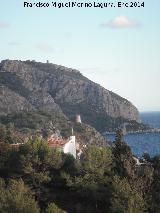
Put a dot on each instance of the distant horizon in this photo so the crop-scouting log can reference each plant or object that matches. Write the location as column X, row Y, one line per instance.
column 151, row 111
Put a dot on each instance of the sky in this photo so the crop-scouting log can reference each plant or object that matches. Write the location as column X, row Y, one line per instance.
column 118, row 48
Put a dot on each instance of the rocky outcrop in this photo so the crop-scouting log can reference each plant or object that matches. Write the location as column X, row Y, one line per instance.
column 11, row 102
column 89, row 135
column 29, row 85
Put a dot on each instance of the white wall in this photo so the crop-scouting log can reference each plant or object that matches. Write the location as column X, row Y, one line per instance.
column 70, row 147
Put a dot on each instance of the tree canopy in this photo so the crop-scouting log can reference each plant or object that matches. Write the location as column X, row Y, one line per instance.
column 36, row 178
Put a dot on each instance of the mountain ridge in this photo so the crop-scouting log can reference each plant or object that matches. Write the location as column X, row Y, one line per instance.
column 55, row 88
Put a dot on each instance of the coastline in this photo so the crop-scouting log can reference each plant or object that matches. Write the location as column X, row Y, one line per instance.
column 153, row 130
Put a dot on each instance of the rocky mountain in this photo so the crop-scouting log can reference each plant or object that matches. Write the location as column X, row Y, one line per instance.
column 34, row 86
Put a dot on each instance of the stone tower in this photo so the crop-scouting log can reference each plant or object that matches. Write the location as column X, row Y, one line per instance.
column 78, row 118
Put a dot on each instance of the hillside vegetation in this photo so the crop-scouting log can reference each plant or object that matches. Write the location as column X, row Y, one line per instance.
column 36, row 178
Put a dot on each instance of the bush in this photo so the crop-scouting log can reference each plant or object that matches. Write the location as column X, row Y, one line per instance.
column 16, row 198
column 53, row 208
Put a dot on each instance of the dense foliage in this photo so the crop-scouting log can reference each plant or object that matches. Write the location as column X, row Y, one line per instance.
column 35, row 178
column 35, row 121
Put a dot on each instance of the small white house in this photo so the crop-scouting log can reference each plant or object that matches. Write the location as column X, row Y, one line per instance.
column 66, row 146
column 138, row 163
column 70, row 146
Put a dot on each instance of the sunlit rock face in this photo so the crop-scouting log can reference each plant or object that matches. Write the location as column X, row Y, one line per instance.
column 29, row 85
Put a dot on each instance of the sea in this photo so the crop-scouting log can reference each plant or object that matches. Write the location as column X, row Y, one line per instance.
column 141, row 143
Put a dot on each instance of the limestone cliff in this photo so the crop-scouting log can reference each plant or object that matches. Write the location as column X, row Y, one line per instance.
column 29, row 85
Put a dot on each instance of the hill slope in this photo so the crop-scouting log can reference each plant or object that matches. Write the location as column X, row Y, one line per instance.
column 32, row 86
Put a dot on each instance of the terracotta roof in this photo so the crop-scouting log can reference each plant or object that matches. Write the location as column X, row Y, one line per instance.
column 16, row 144
column 57, row 142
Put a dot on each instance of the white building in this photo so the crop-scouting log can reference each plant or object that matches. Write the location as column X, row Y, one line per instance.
column 138, row 163
column 70, row 146
column 66, row 146
column 78, row 118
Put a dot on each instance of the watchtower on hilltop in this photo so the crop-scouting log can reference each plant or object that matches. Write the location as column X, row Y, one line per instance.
column 78, row 118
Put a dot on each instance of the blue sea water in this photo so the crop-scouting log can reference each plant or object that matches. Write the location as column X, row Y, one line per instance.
column 152, row 118
column 144, row 142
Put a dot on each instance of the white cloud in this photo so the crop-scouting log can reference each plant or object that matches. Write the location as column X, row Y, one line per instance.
column 14, row 43
column 4, row 24
column 121, row 22
column 43, row 47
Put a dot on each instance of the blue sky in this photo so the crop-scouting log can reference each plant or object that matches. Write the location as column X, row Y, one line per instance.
column 118, row 48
